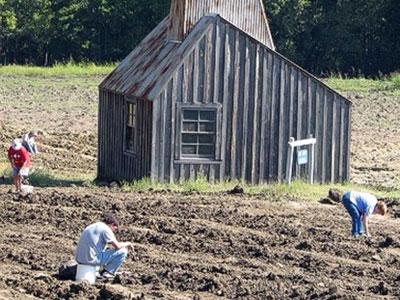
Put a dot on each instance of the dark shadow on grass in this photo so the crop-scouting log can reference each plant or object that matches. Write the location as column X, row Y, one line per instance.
column 43, row 179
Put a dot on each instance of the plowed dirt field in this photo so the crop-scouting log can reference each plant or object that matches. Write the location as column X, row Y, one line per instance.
column 190, row 246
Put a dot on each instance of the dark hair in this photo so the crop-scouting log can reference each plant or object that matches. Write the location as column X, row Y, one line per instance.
column 335, row 195
column 382, row 207
column 110, row 219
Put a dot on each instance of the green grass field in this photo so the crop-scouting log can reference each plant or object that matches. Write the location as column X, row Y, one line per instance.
column 69, row 70
column 389, row 84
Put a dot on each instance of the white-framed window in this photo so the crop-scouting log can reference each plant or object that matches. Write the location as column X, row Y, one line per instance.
column 198, row 132
column 130, row 128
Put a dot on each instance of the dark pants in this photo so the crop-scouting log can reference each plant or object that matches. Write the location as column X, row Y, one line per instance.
column 356, row 217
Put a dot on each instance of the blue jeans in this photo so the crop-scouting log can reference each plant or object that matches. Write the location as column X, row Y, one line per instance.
column 356, row 217
column 111, row 260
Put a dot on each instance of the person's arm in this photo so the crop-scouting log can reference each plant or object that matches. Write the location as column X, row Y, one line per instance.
column 110, row 239
column 365, row 222
column 119, row 245
column 11, row 161
column 26, row 160
column 35, row 148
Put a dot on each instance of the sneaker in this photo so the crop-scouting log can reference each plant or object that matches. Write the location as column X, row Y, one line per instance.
column 104, row 274
column 108, row 275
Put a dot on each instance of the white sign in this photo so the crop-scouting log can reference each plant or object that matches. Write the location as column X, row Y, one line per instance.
column 302, row 156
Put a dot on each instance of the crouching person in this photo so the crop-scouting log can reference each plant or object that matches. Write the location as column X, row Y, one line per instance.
column 94, row 247
column 361, row 206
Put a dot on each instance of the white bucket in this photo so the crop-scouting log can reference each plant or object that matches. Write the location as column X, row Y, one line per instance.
column 86, row 273
column 26, row 189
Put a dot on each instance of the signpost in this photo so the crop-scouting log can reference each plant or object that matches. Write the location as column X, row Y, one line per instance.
column 302, row 156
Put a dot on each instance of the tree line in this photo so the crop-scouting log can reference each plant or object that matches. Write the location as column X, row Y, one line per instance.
column 349, row 37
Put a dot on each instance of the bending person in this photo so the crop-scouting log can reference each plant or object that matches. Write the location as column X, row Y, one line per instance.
column 360, row 206
column 93, row 246
column 28, row 141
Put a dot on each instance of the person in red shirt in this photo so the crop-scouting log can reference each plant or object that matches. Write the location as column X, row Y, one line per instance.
column 20, row 162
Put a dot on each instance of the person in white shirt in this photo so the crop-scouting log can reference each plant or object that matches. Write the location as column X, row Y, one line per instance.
column 28, row 141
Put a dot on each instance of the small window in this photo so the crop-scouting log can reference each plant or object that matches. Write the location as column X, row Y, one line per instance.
column 198, row 136
column 130, row 127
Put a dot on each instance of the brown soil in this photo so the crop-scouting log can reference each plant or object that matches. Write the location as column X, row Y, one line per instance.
column 190, row 246
column 375, row 148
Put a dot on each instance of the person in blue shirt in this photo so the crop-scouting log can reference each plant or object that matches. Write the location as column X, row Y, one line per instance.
column 360, row 206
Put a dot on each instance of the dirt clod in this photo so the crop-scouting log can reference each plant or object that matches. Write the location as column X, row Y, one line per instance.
column 237, row 190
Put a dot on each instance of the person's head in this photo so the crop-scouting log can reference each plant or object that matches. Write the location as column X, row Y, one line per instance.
column 111, row 221
column 16, row 144
column 33, row 134
column 335, row 195
column 380, row 208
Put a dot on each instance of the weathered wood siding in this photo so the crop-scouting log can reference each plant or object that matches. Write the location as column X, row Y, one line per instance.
column 264, row 100
column 113, row 162
column 248, row 15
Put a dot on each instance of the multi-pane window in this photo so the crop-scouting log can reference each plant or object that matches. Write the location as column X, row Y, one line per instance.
column 198, row 133
column 130, row 126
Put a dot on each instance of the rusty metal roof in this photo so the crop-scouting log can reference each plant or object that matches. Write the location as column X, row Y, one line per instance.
column 144, row 71
column 147, row 69
column 247, row 15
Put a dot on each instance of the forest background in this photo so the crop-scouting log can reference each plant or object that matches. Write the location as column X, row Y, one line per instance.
column 326, row 37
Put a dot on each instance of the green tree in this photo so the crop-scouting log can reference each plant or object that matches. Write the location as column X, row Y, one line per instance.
column 8, row 25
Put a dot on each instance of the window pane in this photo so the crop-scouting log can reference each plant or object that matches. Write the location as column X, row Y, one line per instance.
column 191, row 150
column 189, row 138
column 207, row 127
column 206, row 139
column 206, row 150
column 130, row 127
column 190, row 115
column 198, row 136
column 192, row 126
column 134, row 109
column 130, row 138
column 207, row 115
column 131, row 114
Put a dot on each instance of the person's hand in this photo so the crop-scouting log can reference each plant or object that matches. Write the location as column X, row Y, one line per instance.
column 130, row 245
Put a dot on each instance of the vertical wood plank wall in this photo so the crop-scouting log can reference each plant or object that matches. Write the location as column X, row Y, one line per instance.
column 248, row 15
column 113, row 162
column 264, row 100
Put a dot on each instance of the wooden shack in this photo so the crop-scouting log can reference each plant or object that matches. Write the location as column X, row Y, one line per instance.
column 206, row 94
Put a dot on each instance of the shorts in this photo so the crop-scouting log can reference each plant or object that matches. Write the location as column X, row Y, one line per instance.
column 20, row 171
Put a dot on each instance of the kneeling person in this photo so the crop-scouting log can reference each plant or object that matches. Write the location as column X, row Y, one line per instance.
column 92, row 247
